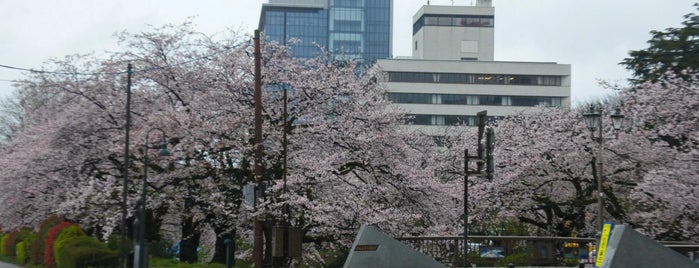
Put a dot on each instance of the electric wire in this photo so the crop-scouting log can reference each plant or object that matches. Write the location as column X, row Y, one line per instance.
column 207, row 57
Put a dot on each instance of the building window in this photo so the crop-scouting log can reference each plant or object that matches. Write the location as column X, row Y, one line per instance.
column 484, row 79
column 453, row 21
column 444, row 120
column 463, row 99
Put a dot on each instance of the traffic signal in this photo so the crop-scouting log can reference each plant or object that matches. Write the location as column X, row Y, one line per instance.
column 489, row 148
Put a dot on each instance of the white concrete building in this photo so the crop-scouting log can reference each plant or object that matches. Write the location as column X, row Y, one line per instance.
column 452, row 74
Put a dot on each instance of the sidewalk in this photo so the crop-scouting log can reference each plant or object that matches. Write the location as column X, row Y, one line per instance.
column 8, row 265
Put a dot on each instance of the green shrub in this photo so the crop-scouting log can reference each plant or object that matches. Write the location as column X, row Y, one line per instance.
column 65, row 235
column 90, row 257
column 28, row 239
column 85, row 251
column 113, row 242
column 3, row 238
column 160, row 248
column 571, row 262
column 36, row 255
column 518, row 259
column 51, row 235
column 10, row 242
column 20, row 252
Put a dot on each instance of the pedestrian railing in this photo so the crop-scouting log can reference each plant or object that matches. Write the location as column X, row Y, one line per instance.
column 502, row 250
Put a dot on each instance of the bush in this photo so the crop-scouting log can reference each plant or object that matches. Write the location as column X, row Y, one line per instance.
column 27, row 240
column 90, row 257
column 36, row 255
column 86, row 251
column 8, row 244
column 3, row 238
column 48, row 242
column 160, row 249
column 64, row 235
column 518, row 259
column 114, row 240
column 21, row 252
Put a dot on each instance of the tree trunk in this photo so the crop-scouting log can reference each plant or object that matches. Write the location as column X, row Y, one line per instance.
column 220, row 247
column 190, row 241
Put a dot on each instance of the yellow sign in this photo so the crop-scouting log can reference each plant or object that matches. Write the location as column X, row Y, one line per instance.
column 571, row 245
column 606, row 230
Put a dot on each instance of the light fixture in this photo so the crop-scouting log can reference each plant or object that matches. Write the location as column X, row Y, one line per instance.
column 591, row 119
column 617, row 119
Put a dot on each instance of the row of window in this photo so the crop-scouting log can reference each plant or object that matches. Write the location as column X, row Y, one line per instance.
column 453, row 21
column 459, row 99
column 347, row 3
column 444, row 120
column 460, row 78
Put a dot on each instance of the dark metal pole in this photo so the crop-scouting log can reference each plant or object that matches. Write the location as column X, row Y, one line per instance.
column 258, row 239
column 142, row 256
column 122, row 247
column 229, row 245
column 285, row 221
column 142, row 215
column 466, row 157
column 600, row 159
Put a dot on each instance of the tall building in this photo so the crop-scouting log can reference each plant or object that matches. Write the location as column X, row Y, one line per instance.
column 348, row 29
column 452, row 74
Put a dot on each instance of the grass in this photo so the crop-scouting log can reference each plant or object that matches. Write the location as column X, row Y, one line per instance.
column 172, row 263
column 157, row 263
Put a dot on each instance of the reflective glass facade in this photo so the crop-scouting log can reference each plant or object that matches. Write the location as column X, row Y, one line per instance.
column 349, row 29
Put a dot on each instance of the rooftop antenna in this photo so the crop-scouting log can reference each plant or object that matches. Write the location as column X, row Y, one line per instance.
column 428, row 2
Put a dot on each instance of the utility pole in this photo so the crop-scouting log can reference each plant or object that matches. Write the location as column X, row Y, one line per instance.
column 258, row 239
column 127, row 126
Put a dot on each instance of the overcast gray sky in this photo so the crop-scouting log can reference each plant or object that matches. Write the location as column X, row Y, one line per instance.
column 592, row 35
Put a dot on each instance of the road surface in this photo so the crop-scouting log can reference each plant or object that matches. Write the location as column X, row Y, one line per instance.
column 8, row 265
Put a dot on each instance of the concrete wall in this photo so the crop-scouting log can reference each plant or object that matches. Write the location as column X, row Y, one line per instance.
column 454, row 43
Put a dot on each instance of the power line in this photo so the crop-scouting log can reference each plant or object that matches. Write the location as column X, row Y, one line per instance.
column 55, row 72
column 207, row 57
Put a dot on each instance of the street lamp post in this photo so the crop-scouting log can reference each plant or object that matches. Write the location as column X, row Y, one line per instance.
column 140, row 256
column 593, row 120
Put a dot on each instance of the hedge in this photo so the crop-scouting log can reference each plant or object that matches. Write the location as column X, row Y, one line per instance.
column 37, row 246
column 21, row 252
column 8, row 244
column 27, row 240
column 85, row 251
column 48, row 242
column 69, row 232
column 3, row 238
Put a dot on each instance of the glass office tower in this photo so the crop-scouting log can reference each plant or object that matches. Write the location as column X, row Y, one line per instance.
column 349, row 29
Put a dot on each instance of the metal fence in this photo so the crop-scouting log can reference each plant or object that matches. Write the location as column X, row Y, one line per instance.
column 491, row 251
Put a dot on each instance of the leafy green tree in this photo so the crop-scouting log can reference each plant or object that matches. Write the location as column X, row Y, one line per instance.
column 673, row 50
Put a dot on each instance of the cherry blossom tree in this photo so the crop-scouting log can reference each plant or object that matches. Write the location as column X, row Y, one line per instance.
column 349, row 162
column 665, row 113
